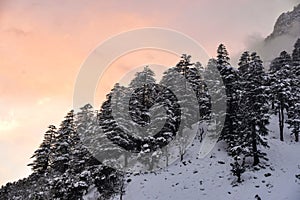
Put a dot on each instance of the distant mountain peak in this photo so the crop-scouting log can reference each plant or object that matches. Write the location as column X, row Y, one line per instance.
column 288, row 23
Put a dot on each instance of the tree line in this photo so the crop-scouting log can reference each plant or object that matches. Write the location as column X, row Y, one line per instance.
column 63, row 167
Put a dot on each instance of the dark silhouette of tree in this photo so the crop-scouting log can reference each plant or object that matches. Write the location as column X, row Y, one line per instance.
column 254, row 108
column 296, row 55
column 280, row 85
column 230, row 77
column 42, row 155
column 62, row 143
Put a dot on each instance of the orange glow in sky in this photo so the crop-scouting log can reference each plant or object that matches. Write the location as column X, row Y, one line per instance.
column 44, row 43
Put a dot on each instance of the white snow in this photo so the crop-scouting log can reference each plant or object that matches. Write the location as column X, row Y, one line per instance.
column 92, row 194
column 209, row 178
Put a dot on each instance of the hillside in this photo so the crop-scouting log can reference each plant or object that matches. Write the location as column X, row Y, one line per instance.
column 90, row 154
column 210, row 178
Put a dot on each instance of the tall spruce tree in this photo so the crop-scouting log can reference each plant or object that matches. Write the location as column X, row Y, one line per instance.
column 178, row 80
column 42, row 154
column 294, row 111
column 280, row 85
column 230, row 79
column 62, row 144
column 296, row 56
column 254, row 109
column 244, row 62
column 222, row 56
column 85, row 130
column 294, row 102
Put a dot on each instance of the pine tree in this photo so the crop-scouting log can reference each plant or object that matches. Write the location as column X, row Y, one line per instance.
column 280, row 85
column 85, row 127
column 230, row 77
column 177, row 81
column 294, row 105
column 222, row 56
column 192, row 73
column 143, row 78
column 62, row 143
column 42, row 154
column 281, row 61
column 108, row 131
column 140, row 103
column 254, row 109
column 294, row 112
column 296, row 55
column 216, row 94
column 244, row 62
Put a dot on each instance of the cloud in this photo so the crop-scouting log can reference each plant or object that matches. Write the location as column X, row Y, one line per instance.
column 271, row 48
column 17, row 31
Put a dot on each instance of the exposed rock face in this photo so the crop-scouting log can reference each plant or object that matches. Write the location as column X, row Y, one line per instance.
column 287, row 24
column 285, row 34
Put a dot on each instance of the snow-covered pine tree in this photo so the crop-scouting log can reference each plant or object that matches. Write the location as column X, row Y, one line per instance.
column 294, row 102
column 168, row 80
column 280, row 85
column 230, row 79
column 60, row 155
column 283, row 59
column 180, row 86
column 124, row 126
column 146, row 104
column 192, row 72
column 296, row 55
column 108, row 131
column 253, row 109
column 222, row 56
column 294, row 115
column 42, row 155
column 216, row 94
column 244, row 62
column 144, row 77
column 140, row 103
column 237, row 146
column 85, row 127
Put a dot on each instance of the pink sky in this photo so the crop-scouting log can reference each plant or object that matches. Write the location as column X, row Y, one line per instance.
column 44, row 43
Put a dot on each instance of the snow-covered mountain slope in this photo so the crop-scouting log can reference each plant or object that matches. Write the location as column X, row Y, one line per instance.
column 210, row 178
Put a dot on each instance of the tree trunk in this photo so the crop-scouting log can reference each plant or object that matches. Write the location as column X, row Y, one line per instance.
column 230, row 119
column 166, row 155
column 239, row 177
column 125, row 160
column 181, row 155
column 167, row 160
column 297, row 135
column 281, row 121
column 122, row 191
column 151, row 164
column 254, row 145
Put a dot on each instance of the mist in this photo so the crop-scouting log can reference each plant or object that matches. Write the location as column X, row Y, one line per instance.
column 270, row 47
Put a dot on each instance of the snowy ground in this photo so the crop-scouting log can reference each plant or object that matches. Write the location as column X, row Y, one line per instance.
column 210, row 178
